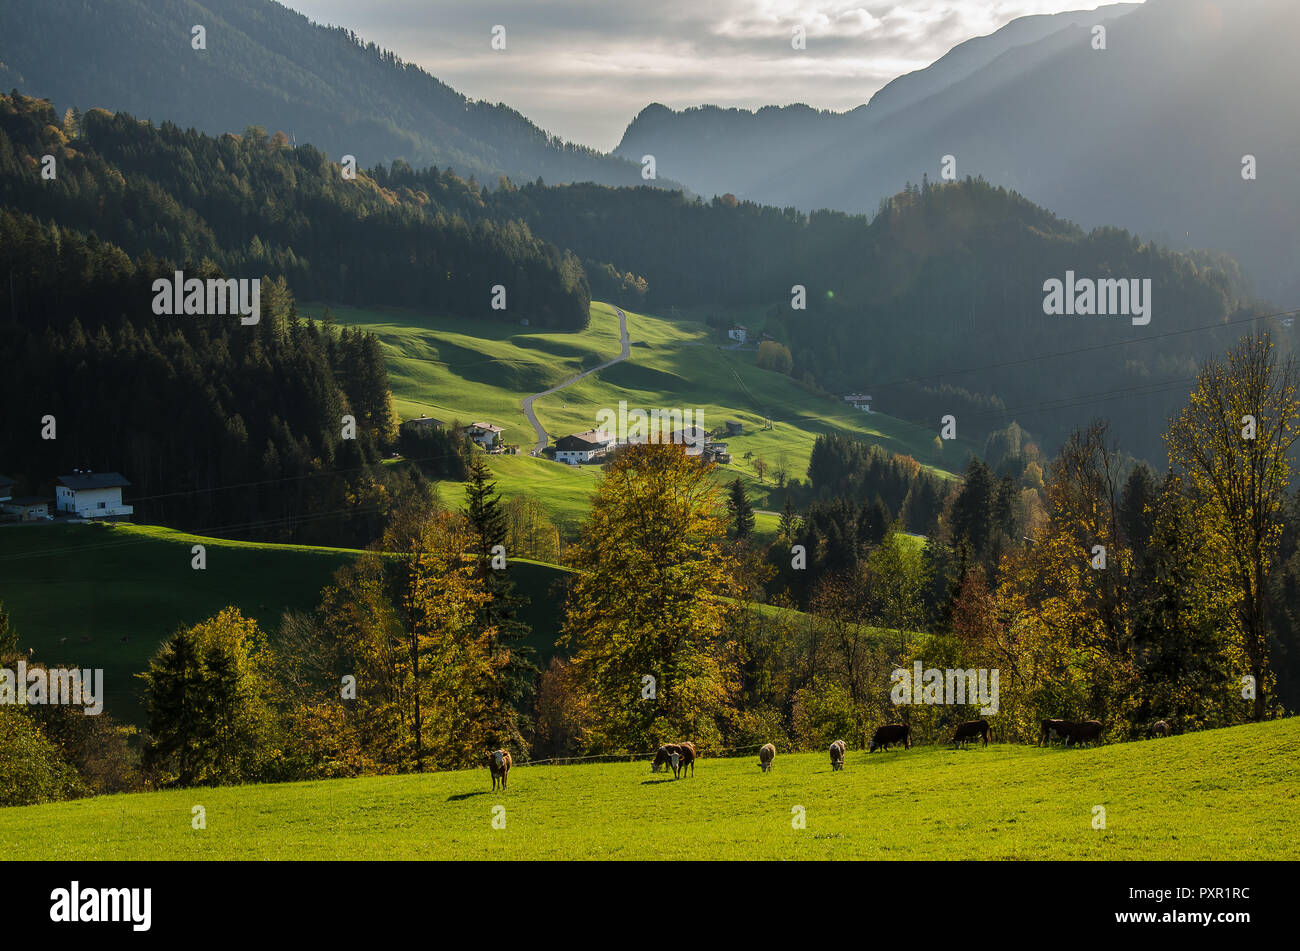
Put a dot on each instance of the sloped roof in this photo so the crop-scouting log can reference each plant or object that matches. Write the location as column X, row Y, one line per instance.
column 93, row 480
column 591, row 439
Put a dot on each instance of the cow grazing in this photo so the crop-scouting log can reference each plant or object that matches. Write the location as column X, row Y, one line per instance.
column 838, row 749
column 1159, row 728
column 688, row 756
column 678, row 756
column 894, row 733
column 1077, row 733
column 970, row 730
column 664, row 757
column 1053, row 729
column 499, row 764
column 766, row 753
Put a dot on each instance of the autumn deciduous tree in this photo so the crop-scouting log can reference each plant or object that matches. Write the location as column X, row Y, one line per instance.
column 209, row 719
column 1231, row 443
column 650, row 601
column 404, row 627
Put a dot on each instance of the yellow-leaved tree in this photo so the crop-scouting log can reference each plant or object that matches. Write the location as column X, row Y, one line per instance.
column 1230, row 444
column 647, row 614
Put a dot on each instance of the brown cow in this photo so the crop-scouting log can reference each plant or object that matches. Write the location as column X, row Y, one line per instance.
column 499, row 764
column 688, row 756
column 970, row 730
column 1159, row 728
column 892, row 733
column 676, row 755
column 1052, row 729
column 664, row 756
column 1077, row 733
column 838, row 749
column 766, row 753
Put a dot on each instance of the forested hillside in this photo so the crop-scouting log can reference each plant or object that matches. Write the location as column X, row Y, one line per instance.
column 945, row 281
column 1106, row 129
column 253, row 204
column 267, row 65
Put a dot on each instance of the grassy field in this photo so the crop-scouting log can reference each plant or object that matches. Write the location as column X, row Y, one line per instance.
column 461, row 370
column 1223, row 794
column 75, row 592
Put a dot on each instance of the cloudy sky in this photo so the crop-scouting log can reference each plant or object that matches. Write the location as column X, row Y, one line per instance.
column 584, row 68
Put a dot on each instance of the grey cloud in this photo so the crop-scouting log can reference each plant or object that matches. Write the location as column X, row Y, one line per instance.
column 583, row 68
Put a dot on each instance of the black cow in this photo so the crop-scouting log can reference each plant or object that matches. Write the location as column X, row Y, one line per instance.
column 1053, row 729
column 970, row 730
column 1084, row 732
column 894, row 733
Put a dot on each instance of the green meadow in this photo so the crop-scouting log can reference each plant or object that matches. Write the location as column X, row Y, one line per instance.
column 1222, row 794
column 461, row 370
column 107, row 595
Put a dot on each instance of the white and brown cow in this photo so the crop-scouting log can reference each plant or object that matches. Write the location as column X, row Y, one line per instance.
column 766, row 754
column 838, row 749
column 499, row 764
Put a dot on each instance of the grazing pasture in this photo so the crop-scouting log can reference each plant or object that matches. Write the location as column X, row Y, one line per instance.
column 107, row 595
column 1221, row 794
column 467, row 370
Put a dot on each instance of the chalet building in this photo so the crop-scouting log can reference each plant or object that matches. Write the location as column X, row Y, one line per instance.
column 424, row 424
column 487, row 435
column 734, row 427
column 91, row 494
column 738, row 333
column 25, row 508
column 717, row 452
column 579, row 448
column 859, row 401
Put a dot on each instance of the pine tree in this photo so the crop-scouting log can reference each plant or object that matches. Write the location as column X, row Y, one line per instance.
column 742, row 513
column 789, row 523
column 513, row 689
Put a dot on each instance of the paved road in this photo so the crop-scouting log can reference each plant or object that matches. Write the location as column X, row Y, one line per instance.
column 542, row 438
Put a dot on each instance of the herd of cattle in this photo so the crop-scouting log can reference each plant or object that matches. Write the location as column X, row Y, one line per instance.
column 681, row 756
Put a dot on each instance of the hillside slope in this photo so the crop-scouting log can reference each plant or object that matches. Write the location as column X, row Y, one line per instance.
column 1221, row 794
column 107, row 595
column 458, row 370
column 718, row 150
column 1148, row 134
column 270, row 66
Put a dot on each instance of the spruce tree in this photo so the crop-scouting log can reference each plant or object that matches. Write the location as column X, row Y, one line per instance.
column 742, row 513
column 514, row 687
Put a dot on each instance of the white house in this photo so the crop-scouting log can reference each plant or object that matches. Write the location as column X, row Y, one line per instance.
column 859, row 401
column 486, row 435
column 583, row 447
column 6, row 488
column 739, row 333
column 91, row 494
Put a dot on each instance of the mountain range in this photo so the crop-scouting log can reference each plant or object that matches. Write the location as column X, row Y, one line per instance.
column 266, row 65
column 1150, row 133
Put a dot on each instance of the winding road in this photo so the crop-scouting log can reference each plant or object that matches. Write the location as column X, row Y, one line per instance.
column 527, row 404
